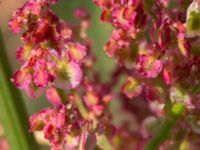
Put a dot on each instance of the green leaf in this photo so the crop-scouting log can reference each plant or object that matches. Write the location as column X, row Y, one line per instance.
column 193, row 23
column 164, row 131
column 13, row 114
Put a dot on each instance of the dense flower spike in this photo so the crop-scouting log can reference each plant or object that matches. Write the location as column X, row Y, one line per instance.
column 155, row 46
column 51, row 62
column 151, row 38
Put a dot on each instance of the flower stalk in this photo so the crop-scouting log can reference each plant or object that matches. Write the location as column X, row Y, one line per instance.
column 175, row 113
column 102, row 141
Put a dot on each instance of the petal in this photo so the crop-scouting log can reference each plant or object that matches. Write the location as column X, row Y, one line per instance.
column 38, row 120
column 23, row 53
column 91, row 99
column 53, row 96
column 154, row 93
column 183, row 45
column 103, row 3
column 167, row 77
column 33, row 91
column 77, row 52
column 34, row 7
column 22, row 79
column 81, row 14
column 41, row 78
column 148, row 66
column 120, row 17
column 132, row 88
column 59, row 119
column 106, row 16
column 178, row 94
column 63, row 30
column 15, row 25
column 69, row 77
column 111, row 48
column 98, row 110
column 155, row 69
column 53, row 135
column 75, row 74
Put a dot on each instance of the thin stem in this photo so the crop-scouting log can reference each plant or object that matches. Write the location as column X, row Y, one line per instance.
column 62, row 96
column 81, row 107
column 13, row 114
column 102, row 140
column 170, row 121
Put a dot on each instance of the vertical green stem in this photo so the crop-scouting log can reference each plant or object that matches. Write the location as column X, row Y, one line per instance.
column 102, row 140
column 170, row 121
column 12, row 110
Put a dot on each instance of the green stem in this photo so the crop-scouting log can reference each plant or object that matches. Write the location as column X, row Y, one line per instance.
column 81, row 107
column 174, row 114
column 13, row 114
column 102, row 140
column 62, row 95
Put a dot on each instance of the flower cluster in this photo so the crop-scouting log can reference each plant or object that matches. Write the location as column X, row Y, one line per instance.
column 155, row 46
column 49, row 56
column 51, row 63
column 62, row 127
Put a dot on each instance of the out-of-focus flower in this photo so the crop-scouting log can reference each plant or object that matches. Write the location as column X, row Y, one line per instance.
column 148, row 66
column 132, row 88
column 177, row 94
column 53, row 96
column 4, row 144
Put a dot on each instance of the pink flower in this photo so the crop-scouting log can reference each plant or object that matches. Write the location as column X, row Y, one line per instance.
column 103, row 3
column 148, row 66
column 123, row 16
column 69, row 75
column 183, row 45
column 4, row 144
column 52, row 122
column 36, row 73
column 117, row 42
column 82, row 14
column 60, row 124
column 41, row 76
column 23, row 53
column 77, row 52
column 53, row 96
column 167, row 76
column 22, row 78
column 21, row 16
column 106, row 16
column 132, row 88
